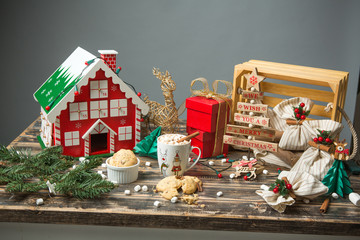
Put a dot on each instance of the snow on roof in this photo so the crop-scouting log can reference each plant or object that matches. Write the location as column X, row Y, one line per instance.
column 56, row 90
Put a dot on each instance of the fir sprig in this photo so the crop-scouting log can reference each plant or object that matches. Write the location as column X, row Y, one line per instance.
column 279, row 187
column 300, row 113
column 25, row 173
column 323, row 137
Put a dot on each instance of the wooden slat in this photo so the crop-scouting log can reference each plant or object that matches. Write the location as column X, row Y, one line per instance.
column 301, row 68
column 295, row 75
column 293, row 91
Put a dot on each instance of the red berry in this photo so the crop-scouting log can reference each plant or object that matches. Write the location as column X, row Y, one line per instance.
column 296, row 110
column 141, row 120
column 298, row 115
column 47, row 108
column 245, row 178
column 276, row 190
column 219, row 175
column 302, row 104
column 278, row 169
column 321, row 139
column 315, row 139
column 303, row 117
column 76, row 93
column 119, row 68
column 288, row 186
column 322, row 131
column 86, row 63
column 224, row 155
column 139, row 94
column 328, row 140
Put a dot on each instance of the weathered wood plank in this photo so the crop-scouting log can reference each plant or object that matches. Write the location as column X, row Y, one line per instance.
column 239, row 209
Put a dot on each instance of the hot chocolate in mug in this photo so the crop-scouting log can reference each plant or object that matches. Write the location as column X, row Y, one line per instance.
column 173, row 157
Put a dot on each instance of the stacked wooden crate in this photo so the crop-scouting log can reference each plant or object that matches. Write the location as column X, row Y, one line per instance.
column 335, row 83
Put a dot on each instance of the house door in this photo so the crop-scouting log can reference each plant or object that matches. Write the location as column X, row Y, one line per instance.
column 99, row 143
column 99, row 139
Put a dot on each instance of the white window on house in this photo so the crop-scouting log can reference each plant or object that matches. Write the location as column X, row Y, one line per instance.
column 98, row 89
column 72, row 138
column 125, row 133
column 78, row 111
column 118, row 107
column 99, row 109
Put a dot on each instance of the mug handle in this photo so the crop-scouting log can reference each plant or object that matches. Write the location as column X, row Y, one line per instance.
column 196, row 159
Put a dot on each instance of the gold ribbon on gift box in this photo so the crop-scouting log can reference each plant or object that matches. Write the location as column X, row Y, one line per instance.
column 213, row 94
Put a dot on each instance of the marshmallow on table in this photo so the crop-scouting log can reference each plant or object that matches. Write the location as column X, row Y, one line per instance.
column 355, row 198
column 137, row 188
column 127, row 192
column 223, row 160
column 335, row 195
column 211, row 163
column 265, row 171
column 100, row 172
column 157, row 204
column 305, row 200
column 39, row 201
column 148, row 164
column 232, row 175
column 174, row 200
column 219, row 194
column 103, row 165
column 245, row 157
column 145, row 188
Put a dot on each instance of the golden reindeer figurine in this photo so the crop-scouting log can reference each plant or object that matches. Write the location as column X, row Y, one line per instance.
column 166, row 115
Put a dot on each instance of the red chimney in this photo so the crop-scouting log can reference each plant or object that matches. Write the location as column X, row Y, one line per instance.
column 110, row 57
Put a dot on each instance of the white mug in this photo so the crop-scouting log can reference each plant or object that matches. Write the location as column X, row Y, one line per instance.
column 173, row 159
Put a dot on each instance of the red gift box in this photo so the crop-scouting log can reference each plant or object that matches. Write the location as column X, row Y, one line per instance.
column 205, row 141
column 202, row 116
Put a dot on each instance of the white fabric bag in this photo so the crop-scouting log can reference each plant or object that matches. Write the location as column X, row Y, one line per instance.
column 303, row 184
column 315, row 161
column 295, row 137
column 281, row 158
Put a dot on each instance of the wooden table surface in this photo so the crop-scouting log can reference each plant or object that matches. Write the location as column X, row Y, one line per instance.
column 239, row 209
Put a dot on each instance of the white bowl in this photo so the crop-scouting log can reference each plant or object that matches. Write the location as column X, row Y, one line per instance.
column 122, row 175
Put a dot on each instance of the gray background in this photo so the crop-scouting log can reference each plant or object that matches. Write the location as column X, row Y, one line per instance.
column 189, row 38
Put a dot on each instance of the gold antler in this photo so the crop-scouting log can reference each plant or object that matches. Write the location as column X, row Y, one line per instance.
column 161, row 76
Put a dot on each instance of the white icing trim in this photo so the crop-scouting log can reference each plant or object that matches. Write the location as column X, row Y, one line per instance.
column 107, row 52
column 91, row 73
column 94, row 125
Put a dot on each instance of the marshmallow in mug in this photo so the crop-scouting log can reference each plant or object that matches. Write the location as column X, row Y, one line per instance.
column 172, row 139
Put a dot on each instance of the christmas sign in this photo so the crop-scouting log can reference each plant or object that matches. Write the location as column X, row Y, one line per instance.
column 235, row 129
column 252, row 95
column 260, row 121
column 261, row 145
column 248, row 107
column 253, row 114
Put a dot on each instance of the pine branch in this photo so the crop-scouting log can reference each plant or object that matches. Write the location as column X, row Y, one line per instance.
column 25, row 173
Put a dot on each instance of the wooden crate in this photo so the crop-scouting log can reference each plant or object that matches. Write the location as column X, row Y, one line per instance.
column 335, row 81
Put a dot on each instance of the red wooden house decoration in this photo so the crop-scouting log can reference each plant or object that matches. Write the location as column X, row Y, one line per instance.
column 87, row 108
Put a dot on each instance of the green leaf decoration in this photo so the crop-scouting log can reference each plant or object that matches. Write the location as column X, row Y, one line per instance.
column 148, row 146
column 337, row 179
